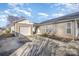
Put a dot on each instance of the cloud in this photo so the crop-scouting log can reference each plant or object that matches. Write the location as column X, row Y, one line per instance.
column 29, row 9
column 17, row 11
column 43, row 14
column 15, row 4
column 3, row 20
column 19, row 8
column 3, row 17
column 72, row 6
column 7, row 11
column 66, row 7
column 25, row 12
column 28, row 13
column 12, row 4
column 57, row 15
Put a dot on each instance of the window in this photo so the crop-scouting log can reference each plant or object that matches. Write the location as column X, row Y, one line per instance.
column 47, row 30
column 69, row 28
column 78, row 28
column 78, row 25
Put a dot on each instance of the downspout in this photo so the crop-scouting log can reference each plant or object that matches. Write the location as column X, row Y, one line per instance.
column 14, row 29
column 15, row 32
column 76, row 28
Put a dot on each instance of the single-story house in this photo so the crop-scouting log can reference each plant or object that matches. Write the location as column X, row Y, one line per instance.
column 22, row 27
column 64, row 26
column 1, row 30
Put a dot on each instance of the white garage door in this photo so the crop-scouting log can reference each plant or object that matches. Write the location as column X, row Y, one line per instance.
column 25, row 31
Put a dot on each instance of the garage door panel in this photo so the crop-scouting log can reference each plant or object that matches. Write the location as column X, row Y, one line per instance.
column 25, row 30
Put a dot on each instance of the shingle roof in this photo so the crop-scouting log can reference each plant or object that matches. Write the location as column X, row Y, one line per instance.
column 62, row 18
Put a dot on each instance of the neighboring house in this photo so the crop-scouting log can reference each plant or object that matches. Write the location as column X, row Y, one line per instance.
column 22, row 27
column 2, row 30
column 65, row 26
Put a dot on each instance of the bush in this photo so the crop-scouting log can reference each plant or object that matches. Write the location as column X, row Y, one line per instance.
column 8, row 30
column 67, row 39
column 6, row 35
column 45, row 34
column 53, row 36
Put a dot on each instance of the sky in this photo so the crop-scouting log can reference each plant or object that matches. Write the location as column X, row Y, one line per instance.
column 36, row 12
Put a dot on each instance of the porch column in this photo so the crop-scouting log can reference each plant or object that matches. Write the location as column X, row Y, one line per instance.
column 76, row 28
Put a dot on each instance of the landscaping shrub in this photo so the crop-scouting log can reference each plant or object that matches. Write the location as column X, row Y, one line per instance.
column 53, row 36
column 6, row 34
column 45, row 34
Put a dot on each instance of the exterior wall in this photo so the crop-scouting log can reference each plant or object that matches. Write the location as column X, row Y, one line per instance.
column 77, row 27
column 38, row 31
column 12, row 29
column 18, row 25
column 59, row 29
column 47, row 29
column 25, row 23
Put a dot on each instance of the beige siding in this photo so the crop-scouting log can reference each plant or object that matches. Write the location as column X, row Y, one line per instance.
column 47, row 28
column 59, row 29
column 18, row 25
column 38, row 31
column 26, row 23
column 12, row 29
column 25, row 30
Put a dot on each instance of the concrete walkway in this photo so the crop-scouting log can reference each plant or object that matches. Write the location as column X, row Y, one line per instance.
column 38, row 47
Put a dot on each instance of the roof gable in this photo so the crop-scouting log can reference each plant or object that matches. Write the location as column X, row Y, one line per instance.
column 26, row 21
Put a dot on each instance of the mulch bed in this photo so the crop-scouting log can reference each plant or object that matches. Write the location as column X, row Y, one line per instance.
column 64, row 39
